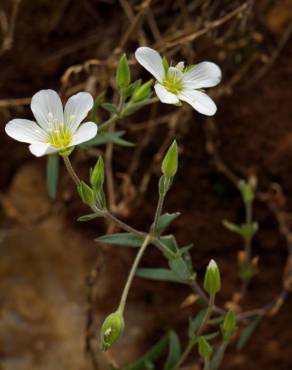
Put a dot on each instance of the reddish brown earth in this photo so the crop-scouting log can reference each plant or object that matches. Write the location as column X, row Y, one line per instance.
column 46, row 256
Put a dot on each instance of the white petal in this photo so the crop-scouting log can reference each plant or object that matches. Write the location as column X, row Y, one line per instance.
column 25, row 131
column 199, row 101
column 85, row 132
column 76, row 109
column 205, row 74
column 47, row 108
column 151, row 60
column 39, row 149
column 164, row 95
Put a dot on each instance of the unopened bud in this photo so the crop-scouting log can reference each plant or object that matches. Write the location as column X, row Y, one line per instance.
column 169, row 163
column 111, row 330
column 97, row 174
column 229, row 325
column 123, row 76
column 205, row 350
column 212, row 281
column 86, row 193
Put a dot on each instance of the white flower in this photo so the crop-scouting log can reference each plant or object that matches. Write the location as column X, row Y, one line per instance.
column 55, row 130
column 177, row 83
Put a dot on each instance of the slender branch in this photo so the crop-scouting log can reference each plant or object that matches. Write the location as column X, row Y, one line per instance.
column 71, row 170
column 132, row 273
column 158, row 213
column 107, row 214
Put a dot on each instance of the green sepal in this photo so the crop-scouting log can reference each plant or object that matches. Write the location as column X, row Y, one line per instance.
column 142, row 92
column 97, row 174
column 86, row 193
column 123, row 76
column 164, row 184
column 205, row 350
column 165, row 64
column 66, row 152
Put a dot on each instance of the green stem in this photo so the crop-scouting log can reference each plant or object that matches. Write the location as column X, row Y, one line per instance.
column 71, row 170
column 248, row 211
column 193, row 340
column 132, row 273
column 158, row 213
column 207, row 364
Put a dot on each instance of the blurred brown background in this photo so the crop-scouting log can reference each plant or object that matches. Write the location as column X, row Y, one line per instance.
column 54, row 278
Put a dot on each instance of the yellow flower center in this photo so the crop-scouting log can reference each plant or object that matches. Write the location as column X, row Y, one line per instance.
column 60, row 138
column 173, row 83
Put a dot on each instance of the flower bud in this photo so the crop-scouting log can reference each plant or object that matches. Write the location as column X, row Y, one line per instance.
column 247, row 191
column 97, row 174
column 123, row 76
column 86, row 193
column 212, row 281
column 205, row 350
column 169, row 163
column 142, row 91
column 111, row 330
column 229, row 324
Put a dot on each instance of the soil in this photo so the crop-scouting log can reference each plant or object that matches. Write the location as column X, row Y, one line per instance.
column 46, row 256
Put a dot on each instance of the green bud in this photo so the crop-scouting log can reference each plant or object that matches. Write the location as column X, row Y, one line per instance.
column 229, row 325
column 212, row 281
column 111, row 330
column 247, row 191
column 169, row 163
column 86, row 193
column 123, row 76
column 97, row 174
column 164, row 184
column 205, row 350
column 142, row 92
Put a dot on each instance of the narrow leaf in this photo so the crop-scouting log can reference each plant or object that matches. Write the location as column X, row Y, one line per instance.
column 53, row 164
column 89, row 217
column 174, row 351
column 152, row 355
column 158, row 274
column 196, row 322
column 165, row 220
column 247, row 333
column 122, row 239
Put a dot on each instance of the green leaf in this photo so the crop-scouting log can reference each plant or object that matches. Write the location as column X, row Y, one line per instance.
column 195, row 323
column 158, row 274
column 108, row 137
column 174, row 351
column 53, row 165
column 205, row 350
column 151, row 356
column 179, row 266
column 247, row 191
column 122, row 239
column 110, row 107
column 86, row 193
column 89, row 217
column 165, row 220
column 170, row 246
column 247, row 333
